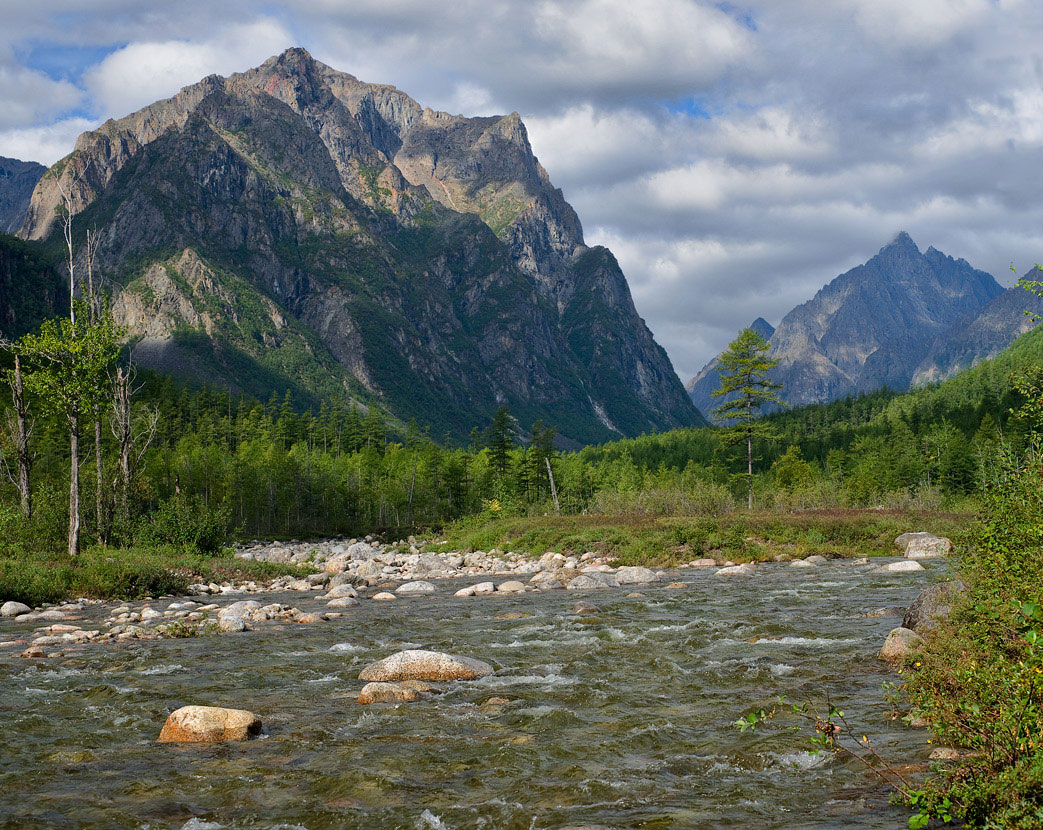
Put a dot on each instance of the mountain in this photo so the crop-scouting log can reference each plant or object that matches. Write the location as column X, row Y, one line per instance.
column 293, row 227
column 17, row 180
column 701, row 388
column 874, row 325
column 981, row 336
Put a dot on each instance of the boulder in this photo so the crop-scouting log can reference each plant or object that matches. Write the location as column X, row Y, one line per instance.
column 370, row 568
column 341, row 591
column 930, row 606
column 418, row 664
column 231, row 624
column 899, row 643
column 511, row 587
column 484, row 588
column 341, row 602
column 745, row 569
column 246, row 609
column 592, row 580
column 14, row 609
column 465, row 592
column 209, row 724
column 383, row 596
column 636, row 576
column 416, row 588
column 816, row 559
column 703, row 563
column 546, row 581
column 387, row 693
column 801, row 563
column 905, row 566
column 921, row 545
column 585, row 608
column 337, row 564
column 362, row 550
column 307, row 619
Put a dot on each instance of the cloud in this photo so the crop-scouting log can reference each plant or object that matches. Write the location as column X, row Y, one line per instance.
column 143, row 72
column 736, row 157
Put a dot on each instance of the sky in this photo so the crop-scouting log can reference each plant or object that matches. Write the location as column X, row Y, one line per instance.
column 734, row 156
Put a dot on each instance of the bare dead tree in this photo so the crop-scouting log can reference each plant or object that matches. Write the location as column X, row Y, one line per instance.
column 94, row 311
column 133, row 443
column 19, row 430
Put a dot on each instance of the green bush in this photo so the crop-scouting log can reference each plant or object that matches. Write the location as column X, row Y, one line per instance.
column 186, row 521
column 981, row 679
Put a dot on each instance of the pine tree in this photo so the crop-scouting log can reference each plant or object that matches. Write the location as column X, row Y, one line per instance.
column 744, row 371
column 499, row 439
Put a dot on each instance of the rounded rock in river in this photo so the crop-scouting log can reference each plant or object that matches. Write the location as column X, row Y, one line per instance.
column 418, row 664
column 209, row 724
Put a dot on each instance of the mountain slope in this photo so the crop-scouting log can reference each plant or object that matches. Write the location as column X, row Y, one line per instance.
column 701, row 388
column 874, row 325
column 981, row 336
column 17, row 180
column 414, row 258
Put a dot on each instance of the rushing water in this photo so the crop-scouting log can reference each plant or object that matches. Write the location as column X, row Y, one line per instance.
column 620, row 719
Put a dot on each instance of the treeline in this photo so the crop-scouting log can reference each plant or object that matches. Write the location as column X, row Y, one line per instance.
column 205, row 461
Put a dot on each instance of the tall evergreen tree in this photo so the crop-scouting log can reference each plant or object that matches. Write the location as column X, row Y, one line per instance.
column 499, row 439
column 744, row 371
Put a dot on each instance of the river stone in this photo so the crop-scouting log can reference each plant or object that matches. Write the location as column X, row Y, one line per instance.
column 920, row 545
column 383, row 596
column 418, row 587
column 930, row 606
column 14, row 609
column 246, row 608
column 484, row 588
column 585, row 608
column 905, row 566
column 209, row 724
column 342, row 602
column 703, row 563
column 801, row 563
column 417, row 664
column 816, row 559
column 387, row 693
column 745, row 569
column 890, row 611
column 230, row 624
column 307, row 619
column 546, row 581
column 899, row 643
column 636, row 576
column 592, row 580
column 341, row 591
column 370, row 568
column 511, row 587
column 465, row 592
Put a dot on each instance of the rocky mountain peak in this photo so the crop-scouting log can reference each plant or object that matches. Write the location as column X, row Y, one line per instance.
column 355, row 243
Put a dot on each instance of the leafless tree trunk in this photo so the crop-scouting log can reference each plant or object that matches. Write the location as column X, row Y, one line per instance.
column 74, row 484
column 21, row 432
column 132, row 446
column 553, row 489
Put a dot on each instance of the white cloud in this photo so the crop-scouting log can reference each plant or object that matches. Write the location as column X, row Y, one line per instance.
column 146, row 71
column 28, row 97
column 45, row 144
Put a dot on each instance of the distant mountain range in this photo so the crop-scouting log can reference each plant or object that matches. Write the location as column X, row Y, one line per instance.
column 292, row 227
column 902, row 319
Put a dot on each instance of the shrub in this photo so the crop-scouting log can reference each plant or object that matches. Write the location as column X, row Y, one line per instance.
column 186, row 521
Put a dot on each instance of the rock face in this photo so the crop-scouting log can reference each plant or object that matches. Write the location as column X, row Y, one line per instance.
column 416, row 664
column 17, row 180
column 209, row 724
column 981, row 336
column 931, row 606
column 296, row 220
column 872, row 326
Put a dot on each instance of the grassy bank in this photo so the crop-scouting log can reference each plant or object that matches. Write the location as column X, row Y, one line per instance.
column 107, row 573
column 665, row 541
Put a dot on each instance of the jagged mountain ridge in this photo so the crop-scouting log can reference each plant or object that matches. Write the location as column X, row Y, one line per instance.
column 701, row 388
column 17, row 180
column 294, row 223
column 876, row 325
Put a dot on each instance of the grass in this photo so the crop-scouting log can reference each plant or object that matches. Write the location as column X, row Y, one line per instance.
column 663, row 542
column 107, row 573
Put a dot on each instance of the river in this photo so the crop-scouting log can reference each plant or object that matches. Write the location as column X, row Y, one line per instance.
column 618, row 719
